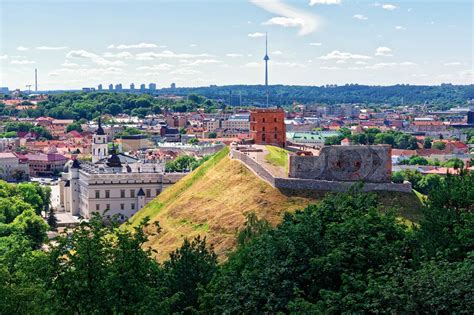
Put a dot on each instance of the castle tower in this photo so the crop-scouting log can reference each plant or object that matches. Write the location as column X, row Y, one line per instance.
column 99, row 144
column 141, row 198
column 73, row 191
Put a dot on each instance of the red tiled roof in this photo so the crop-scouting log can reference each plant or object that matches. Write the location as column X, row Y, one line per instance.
column 51, row 157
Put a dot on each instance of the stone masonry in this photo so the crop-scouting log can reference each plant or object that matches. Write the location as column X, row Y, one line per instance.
column 368, row 163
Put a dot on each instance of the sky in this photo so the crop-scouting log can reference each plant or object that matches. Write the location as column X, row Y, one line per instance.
column 80, row 43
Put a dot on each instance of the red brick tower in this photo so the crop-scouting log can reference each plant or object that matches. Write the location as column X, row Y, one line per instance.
column 267, row 126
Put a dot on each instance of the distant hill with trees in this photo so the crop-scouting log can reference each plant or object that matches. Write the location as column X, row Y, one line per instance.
column 88, row 105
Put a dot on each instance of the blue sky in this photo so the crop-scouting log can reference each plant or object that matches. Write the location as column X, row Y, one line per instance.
column 76, row 44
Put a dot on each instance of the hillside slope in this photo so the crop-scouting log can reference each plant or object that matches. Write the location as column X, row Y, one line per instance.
column 212, row 201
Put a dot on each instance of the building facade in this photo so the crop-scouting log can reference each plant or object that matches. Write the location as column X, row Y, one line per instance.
column 118, row 185
column 267, row 126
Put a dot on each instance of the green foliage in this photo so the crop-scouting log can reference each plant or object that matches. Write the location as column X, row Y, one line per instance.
column 129, row 131
column 79, row 105
column 52, row 220
column 427, row 143
column 439, row 145
column 193, row 141
column 185, row 163
column 396, row 139
column 212, row 135
column 74, row 126
column 27, row 127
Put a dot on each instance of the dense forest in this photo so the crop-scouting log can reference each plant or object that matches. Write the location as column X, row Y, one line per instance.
column 445, row 95
column 89, row 105
column 344, row 255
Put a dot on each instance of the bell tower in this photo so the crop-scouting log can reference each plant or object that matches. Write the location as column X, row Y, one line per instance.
column 99, row 144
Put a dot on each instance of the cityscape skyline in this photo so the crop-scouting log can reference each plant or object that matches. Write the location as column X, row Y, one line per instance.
column 310, row 43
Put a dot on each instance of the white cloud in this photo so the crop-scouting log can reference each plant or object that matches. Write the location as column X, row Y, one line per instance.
column 199, row 62
column 234, row 55
column 185, row 71
column 3, row 57
column 22, row 62
column 285, row 22
column 22, row 48
column 167, row 54
column 338, row 55
column 315, row 44
column 400, row 28
column 123, row 54
column 192, row 45
column 329, row 68
column 341, row 61
column 132, row 46
column 383, row 51
column 391, row 65
column 252, row 65
column 389, row 7
column 314, row 2
column 288, row 64
column 452, row 64
column 360, row 17
column 277, row 52
column 158, row 67
column 78, row 54
column 360, row 63
column 51, row 47
column 289, row 16
column 69, row 64
column 255, row 35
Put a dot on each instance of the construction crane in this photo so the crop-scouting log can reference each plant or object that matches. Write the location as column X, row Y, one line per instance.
column 29, row 87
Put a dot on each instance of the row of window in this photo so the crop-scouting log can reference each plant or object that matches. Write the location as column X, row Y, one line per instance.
column 263, row 119
column 107, row 206
column 123, row 193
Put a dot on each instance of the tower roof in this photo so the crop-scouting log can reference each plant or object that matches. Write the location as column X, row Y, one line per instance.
column 100, row 131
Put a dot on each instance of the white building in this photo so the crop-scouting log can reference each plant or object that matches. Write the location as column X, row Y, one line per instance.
column 116, row 184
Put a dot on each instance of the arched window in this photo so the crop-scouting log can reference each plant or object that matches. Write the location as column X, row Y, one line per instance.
column 263, row 120
column 274, row 119
column 263, row 129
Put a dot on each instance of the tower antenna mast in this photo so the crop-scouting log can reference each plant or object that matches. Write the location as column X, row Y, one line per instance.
column 266, row 58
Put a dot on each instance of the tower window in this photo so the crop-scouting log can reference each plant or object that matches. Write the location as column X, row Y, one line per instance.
column 122, row 193
column 97, row 194
column 107, row 194
column 263, row 120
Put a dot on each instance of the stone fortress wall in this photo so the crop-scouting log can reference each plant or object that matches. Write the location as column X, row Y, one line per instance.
column 377, row 179
column 369, row 163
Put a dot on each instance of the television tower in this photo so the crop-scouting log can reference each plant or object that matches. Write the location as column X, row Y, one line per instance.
column 266, row 58
column 36, row 80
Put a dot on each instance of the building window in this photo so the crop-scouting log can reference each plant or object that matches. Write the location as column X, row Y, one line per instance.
column 263, row 129
column 97, row 194
column 122, row 206
column 107, row 206
column 275, row 136
column 133, row 206
column 107, row 194
column 157, row 192
column 97, row 207
column 132, row 193
column 274, row 120
column 148, row 193
column 122, row 193
column 263, row 120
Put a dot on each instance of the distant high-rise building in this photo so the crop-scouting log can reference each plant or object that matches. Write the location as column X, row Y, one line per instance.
column 99, row 87
column 132, row 87
column 142, row 87
column 118, row 87
column 152, row 86
column 111, row 87
column 173, row 86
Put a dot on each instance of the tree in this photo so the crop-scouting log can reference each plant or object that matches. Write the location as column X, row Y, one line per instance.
column 32, row 226
column 439, row 145
column 427, row 143
column 212, row 135
column 193, row 141
column 74, row 126
column 52, row 220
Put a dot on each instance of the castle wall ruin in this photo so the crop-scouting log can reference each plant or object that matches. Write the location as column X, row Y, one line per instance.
column 369, row 163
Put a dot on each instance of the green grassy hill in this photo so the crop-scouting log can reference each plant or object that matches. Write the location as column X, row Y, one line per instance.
column 212, row 201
